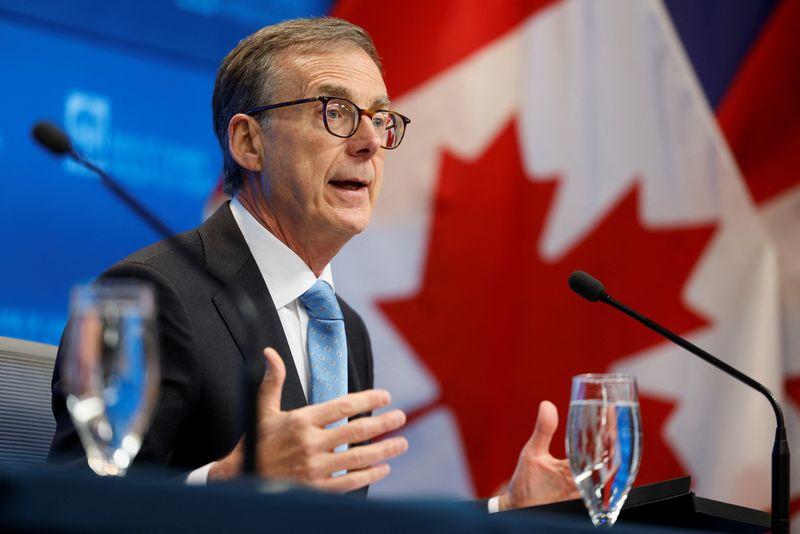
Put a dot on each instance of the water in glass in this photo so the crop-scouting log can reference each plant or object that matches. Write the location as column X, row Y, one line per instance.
column 604, row 442
column 111, row 370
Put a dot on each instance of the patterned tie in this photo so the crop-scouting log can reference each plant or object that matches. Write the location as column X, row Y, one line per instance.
column 327, row 347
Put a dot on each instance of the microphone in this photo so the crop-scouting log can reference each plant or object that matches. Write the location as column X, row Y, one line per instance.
column 592, row 290
column 586, row 286
column 56, row 141
column 50, row 136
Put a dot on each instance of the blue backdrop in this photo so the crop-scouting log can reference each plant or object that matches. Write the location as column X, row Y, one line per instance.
column 131, row 83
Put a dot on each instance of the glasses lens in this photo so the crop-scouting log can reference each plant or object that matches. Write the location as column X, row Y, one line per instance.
column 341, row 117
column 390, row 127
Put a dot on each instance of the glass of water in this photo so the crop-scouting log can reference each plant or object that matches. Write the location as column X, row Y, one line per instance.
column 604, row 442
column 111, row 370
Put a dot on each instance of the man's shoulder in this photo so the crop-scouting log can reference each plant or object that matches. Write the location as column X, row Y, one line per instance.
column 180, row 253
column 165, row 252
column 163, row 262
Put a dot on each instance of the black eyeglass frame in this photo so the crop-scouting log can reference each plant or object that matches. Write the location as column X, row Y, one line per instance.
column 325, row 100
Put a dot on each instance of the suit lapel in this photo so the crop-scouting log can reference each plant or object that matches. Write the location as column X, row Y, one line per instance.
column 358, row 351
column 228, row 257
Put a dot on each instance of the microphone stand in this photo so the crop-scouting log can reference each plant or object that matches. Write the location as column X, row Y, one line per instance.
column 244, row 304
column 780, row 448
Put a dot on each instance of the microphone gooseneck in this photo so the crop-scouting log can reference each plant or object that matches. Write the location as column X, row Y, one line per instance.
column 593, row 290
column 56, row 141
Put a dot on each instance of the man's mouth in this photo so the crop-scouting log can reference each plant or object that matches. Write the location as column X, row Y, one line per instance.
column 350, row 185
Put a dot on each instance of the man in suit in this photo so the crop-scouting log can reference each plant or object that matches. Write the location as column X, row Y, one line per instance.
column 303, row 118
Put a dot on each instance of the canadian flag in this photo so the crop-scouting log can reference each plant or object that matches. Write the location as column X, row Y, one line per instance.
column 550, row 136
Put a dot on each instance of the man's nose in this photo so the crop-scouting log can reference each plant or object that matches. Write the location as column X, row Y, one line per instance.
column 367, row 140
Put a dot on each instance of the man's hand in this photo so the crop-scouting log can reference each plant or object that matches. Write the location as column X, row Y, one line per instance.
column 539, row 477
column 295, row 445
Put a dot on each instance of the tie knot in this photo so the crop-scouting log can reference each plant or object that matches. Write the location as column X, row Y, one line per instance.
column 320, row 302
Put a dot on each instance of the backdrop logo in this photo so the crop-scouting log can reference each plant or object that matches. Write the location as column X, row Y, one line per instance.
column 87, row 119
column 139, row 160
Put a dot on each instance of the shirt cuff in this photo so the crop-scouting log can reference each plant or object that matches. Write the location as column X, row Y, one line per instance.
column 199, row 477
column 494, row 505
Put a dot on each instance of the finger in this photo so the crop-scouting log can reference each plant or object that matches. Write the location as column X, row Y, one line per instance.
column 361, row 457
column 351, row 404
column 269, row 394
column 363, row 429
column 546, row 425
column 354, row 479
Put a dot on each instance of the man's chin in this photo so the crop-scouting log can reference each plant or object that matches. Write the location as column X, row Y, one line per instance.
column 351, row 224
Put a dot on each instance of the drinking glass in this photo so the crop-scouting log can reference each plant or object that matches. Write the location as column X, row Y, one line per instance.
column 111, row 370
column 604, row 442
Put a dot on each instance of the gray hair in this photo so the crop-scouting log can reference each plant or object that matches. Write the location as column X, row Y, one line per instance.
column 250, row 72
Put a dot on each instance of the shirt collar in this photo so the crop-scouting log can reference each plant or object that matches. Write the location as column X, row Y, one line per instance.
column 285, row 274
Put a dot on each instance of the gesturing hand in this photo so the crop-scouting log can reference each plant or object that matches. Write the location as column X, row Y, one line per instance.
column 295, row 444
column 540, row 478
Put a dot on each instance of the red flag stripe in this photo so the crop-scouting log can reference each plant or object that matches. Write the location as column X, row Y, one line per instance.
column 419, row 39
column 760, row 114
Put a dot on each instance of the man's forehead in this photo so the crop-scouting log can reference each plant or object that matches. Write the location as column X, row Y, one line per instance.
column 348, row 73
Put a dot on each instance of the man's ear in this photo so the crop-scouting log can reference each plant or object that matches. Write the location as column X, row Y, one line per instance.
column 244, row 142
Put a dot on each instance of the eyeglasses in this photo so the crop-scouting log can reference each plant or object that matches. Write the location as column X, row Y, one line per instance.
column 342, row 118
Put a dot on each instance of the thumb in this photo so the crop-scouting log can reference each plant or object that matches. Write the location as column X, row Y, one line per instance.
column 546, row 425
column 269, row 394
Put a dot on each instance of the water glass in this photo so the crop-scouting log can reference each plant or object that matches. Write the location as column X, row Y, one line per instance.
column 604, row 442
column 111, row 370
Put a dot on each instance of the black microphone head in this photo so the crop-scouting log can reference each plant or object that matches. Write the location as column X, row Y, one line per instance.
column 51, row 137
column 586, row 285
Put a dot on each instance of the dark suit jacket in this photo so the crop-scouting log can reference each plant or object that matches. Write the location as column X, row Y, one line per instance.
column 197, row 419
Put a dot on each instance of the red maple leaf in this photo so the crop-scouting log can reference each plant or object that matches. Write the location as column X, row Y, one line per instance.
column 497, row 325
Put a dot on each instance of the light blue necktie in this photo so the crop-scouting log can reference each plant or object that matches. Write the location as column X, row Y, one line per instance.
column 327, row 347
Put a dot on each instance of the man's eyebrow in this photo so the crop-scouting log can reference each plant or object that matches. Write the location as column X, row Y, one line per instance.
column 342, row 92
column 334, row 90
column 382, row 102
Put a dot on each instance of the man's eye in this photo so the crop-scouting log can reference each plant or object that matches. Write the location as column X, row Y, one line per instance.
column 334, row 114
column 379, row 121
